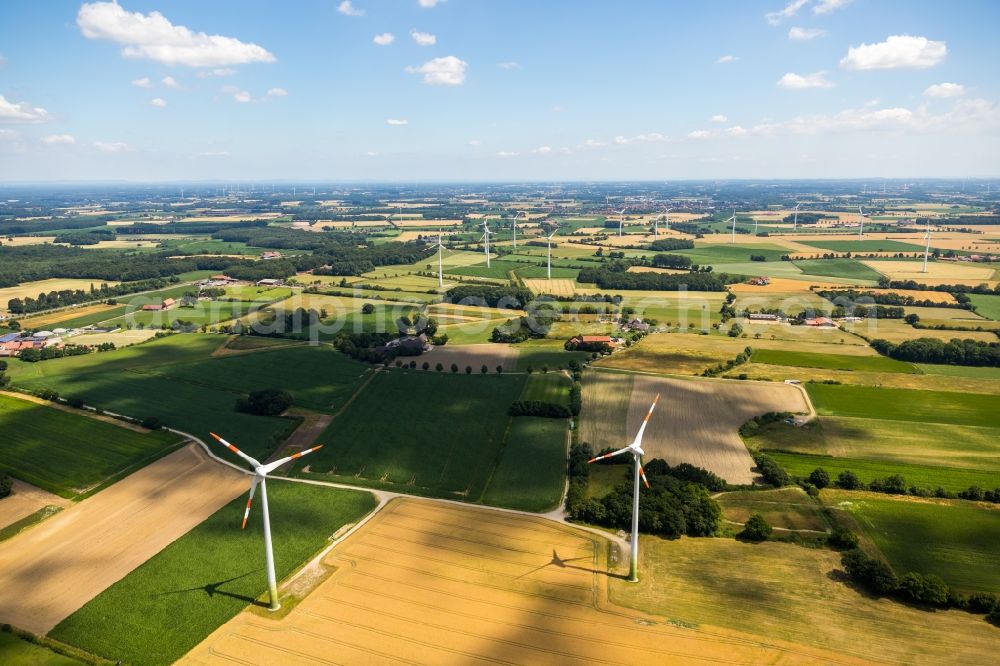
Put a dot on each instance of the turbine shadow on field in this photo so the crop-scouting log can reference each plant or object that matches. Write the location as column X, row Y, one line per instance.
column 212, row 589
column 561, row 563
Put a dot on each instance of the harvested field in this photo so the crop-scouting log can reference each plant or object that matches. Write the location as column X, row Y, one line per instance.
column 555, row 286
column 51, row 570
column 447, row 585
column 32, row 289
column 119, row 338
column 53, row 318
column 696, row 421
column 21, row 241
column 491, row 355
column 796, row 594
column 26, row 500
column 938, row 272
column 782, row 285
column 785, row 509
column 897, row 330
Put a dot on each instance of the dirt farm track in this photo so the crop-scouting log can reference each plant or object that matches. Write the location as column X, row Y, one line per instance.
column 431, row 583
column 53, row 569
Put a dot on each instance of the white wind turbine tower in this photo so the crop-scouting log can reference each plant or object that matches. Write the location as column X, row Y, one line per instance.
column 795, row 222
column 927, row 244
column 733, row 218
column 514, row 226
column 635, row 448
column 260, row 477
column 621, row 221
column 486, row 246
column 861, row 229
column 440, row 247
column 548, row 242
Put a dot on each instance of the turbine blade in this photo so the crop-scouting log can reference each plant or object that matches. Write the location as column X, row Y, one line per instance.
column 235, row 450
column 253, row 487
column 609, row 455
column 645, row 421
column 278, row 463
column 642, row 473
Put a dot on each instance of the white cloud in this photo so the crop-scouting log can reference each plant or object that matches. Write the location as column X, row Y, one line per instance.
column 158, row 102
column 945, row 90
column 736, row 130
column 371, row 153
column 428, row 4
column 593, row 143
column 896, row 52
column 447, row 71
column 827, row 6
column 718, row 118
column 506, row 153
column 348, row 9
column 214, row 153
column 394, row 121
column 218, row 71
column 510, row 64
column 144, row 82
column 543, row 150
column 805, row 34
column 622, row 140
column 556, row 109
column 384, row 39
column 9, row 135
column 113, row 147
column 55, row 139
column 423, row 38
column 799, row 82
column 239, row 95
column 790, row 10
column 21, row 112
column 154, row 37
column 475, row 142
column 726, row 59
column 699, row 134
column 277, row 92
column 170, row 82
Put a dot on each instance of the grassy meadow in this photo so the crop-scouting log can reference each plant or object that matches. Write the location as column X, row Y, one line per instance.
column 532, row 469
column 906, row 405
column 831, row 361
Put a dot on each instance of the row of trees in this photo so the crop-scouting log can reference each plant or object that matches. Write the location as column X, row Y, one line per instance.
column 849, row 296
column 612, row 279
column 932, row 350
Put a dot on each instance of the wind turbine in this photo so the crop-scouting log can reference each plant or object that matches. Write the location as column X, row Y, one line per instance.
column 514, row 226
column 440, row 247
column 635, row 448
column 486, row 237
column 656, row 222
column 548, row 242
column 733, row 218
column 927, row 244
column 260, row 476
column 861, row 229
column 621, row 221
column 795, row 222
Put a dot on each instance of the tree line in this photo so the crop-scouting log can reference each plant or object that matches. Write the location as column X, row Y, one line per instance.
column 931, row 350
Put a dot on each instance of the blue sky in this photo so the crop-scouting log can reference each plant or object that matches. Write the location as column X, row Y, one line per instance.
column 248, row 90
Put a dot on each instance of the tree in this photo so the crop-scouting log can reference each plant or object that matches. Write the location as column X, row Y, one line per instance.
column 367, row 308
column 468, row 369
column 735, row 331
column 151, row 423
column 484, row 369
column 439, row 367
column 425, row 365
column 6, row 483
column 267, row 402
column 842, row 539
column 499, row 369
column 819, row 478
column 911, row 319
column 848, row 480
column 454, row 367
column 756, row 528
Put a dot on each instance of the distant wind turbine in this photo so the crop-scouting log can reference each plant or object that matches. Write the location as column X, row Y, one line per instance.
column 548, row 242
column 795, row 222
column 861, row 229
column 486, row 246
column 440, row 247
column 621, row 221
column 260, row 477
column 733, row 218
column 514, row 227
column 635, row 448
column 927, row 244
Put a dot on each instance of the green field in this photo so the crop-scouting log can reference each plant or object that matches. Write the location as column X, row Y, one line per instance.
column 430, row 433
column 960, row 371
column 865, row 246
column 65, row 453
column 319, row 378
column 547, row 352
column 133, row 381
column 905, row 404
column 785, row 508
column 890, row 442
column 532, row 470
column 15, row 651
column 957, row 541
column 838, row 268
column 173, row 601
column 832, row 361
column 716, row 255
column 986, row 306
column 549, row 387
column 922, row 476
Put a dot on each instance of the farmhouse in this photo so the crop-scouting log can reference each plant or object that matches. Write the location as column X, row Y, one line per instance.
column 636, row 324
column 410, row 345
column 762, row 316
column 761, row 281
column 819, row 321
column 265, row 256
column 269, row 282
column 165, row 304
